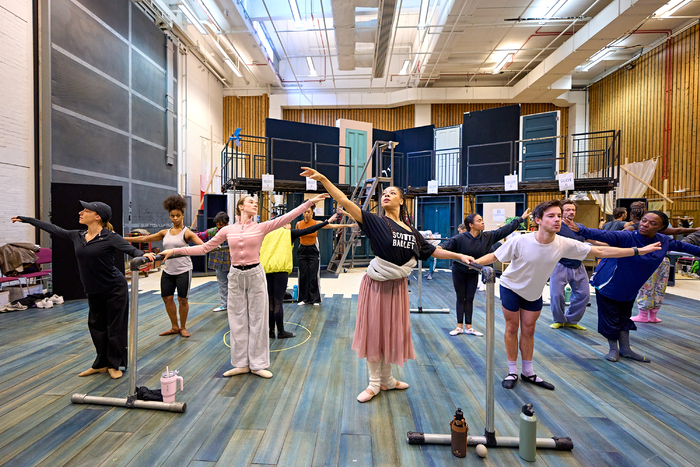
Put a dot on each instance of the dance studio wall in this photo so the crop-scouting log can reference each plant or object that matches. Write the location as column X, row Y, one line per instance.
column 108, row 92
column 633, row 101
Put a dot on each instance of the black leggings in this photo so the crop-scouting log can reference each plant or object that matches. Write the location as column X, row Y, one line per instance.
column 108, row 320
column 276, row 287
column 309, row 264
column 465, row 288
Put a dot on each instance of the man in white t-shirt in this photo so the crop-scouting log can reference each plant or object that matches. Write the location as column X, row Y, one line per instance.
column 532, row 259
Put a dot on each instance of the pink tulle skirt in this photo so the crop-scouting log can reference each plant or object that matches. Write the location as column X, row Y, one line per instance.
column 383, row 328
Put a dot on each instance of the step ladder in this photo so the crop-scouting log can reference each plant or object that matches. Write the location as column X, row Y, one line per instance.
column 364, row 194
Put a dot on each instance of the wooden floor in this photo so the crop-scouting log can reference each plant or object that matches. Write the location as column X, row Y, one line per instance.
column 617, row 414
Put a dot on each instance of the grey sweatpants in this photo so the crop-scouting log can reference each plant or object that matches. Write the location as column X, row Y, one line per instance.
column 248, row 316
column 580, row 293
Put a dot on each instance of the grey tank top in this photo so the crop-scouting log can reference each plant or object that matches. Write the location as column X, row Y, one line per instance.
column 175, row 266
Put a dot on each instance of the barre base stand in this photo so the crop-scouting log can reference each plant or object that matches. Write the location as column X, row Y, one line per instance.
column 420, row 308
column 130, row 401
column 489, row 439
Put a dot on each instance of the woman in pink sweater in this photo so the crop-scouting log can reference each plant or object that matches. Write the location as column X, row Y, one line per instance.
column 247, row 288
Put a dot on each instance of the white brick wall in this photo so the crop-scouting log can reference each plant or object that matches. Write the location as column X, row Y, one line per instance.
column 16, row 120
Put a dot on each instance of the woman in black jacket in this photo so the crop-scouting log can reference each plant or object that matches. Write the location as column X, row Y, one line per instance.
column 105, row 285
column 474, row 242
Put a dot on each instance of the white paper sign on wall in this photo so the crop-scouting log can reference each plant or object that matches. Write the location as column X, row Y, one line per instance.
column 268, row 182
column 311, row 184
column 511, row 182
column 566, row 181
column 432, row 186
column 318, row 211
column 499, row 215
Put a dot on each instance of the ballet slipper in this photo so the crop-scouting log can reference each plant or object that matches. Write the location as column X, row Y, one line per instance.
column 170, row 332
column 399, row 385
column 237, row 371
column 92, row 371
column 262, row 373
column 184, row 333
column 367, row 395
column 115, row 374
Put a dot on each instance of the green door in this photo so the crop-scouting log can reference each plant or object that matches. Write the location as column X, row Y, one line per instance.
column 357, row 141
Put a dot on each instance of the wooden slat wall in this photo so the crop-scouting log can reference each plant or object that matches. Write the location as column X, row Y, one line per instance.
column 247, row 113
column 633, row 102
column 397, row 118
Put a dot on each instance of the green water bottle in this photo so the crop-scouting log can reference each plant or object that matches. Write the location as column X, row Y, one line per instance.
column 527, row 447
column 567, row 293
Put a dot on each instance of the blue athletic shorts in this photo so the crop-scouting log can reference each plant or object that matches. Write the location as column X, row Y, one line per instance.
column 511, row 301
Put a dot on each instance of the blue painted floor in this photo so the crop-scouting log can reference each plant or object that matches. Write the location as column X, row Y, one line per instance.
column 624, row 413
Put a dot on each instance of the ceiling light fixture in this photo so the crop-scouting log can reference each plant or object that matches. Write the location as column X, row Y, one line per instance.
column 192, row 18
column 262, row 35
column 235, row 69
column 207, row 12
column 502, row 63
column 557, row 6
column 597, row 58
column 670, row 8
column 295, row 10
column 312, row 68
column 404, row 68
column 423, row 18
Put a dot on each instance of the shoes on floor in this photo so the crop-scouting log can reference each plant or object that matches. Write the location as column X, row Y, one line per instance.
column 237, row 371
column 56, row 299
column 92, row 371
column 366, row 395
column 115, row 374
column 317, row 304
column 13, row 307
column 456, row 331
column 533, row 380
column 510, row 381
column 575, row 326
column 301, row 303
column 473, row 332
column 272, row 334
column 263, row 373
column 429, row 277
column 218, row 308
column 285, row 335
column 45, row 303
column 556, row 325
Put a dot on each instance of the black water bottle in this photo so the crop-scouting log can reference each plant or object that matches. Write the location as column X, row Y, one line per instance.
column 459, row 432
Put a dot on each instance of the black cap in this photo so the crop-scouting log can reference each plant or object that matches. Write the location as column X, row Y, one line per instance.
column 103, row 210
column 528, row 410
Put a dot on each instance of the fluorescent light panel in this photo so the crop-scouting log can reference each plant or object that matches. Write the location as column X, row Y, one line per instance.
column 404, row 68
column 312, row 68
column 192, row 18
column 597, row 58
column 502, row 63
column 235, row 69
column 295, row 10
column 557, row 6
column 670, row 8
column 423, row 18
column 210, row 16
column 267, row 46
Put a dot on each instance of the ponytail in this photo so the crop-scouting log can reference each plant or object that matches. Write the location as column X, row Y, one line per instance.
column 108, row 226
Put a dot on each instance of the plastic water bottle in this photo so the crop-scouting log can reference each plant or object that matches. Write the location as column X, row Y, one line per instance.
column 295, row 292
column 567, row 293
column 527, row 447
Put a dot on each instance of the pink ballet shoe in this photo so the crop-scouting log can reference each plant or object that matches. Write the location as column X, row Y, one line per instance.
column 652, row 316
column 366, row 395
column 642, row 317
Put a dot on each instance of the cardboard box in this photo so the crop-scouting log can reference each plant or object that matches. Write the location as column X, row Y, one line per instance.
column 4, row 298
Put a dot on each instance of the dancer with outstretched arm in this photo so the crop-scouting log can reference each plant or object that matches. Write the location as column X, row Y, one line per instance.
column 105, row 285
column 383, row 325
column 247, row 308
column 532, row 259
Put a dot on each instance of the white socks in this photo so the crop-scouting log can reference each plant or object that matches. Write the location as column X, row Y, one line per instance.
column 528, row 371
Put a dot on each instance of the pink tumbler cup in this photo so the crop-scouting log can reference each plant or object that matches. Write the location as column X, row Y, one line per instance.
column 168, row 385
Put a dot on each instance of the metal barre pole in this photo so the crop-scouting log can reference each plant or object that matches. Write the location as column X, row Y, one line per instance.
column 560, row 444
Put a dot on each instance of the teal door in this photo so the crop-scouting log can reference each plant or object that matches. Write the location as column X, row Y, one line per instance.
column 539, row 157
column 357, row 141
column 440, row 214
